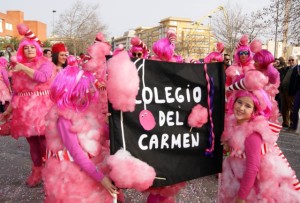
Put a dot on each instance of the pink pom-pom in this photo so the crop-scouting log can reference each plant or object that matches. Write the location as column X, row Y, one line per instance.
column 72, row 61
column 123, row 82
column 255, row 80
column 22, row 28
column 198, row 116
column 255, row 45
column 220, row 47
column 244, row 40
column 130, row 172
column 100, row 37
column 135, row 41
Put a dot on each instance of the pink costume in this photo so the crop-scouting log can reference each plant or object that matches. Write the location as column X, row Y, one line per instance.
column 76, row 152
column 31, row 100
column 76, row 145
column 5, row 94
column 256, row 169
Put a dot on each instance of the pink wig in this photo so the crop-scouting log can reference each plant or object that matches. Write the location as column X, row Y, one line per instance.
column 165, row 48
column 263, row 58
column 215, row 55
column 242, row 46
column 138, row 46
column 262, row 104
column 20, row 53
column 73, row 88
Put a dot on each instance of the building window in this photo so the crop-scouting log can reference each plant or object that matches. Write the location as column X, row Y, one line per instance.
column 1, row 29
column 8, row 26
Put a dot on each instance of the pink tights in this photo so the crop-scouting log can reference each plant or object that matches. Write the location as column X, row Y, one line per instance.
column 37, row 145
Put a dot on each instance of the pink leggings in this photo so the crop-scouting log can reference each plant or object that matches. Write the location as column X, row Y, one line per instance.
column 37, row 145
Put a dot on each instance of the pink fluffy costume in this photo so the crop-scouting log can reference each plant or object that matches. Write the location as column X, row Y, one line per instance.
column 5, row 92
column 31, row 102
column 256, row 170
column 76, row 145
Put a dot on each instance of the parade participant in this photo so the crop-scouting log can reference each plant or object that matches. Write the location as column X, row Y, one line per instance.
column 255, row 170
column 138, row 49
column 164, row 49
column 242, row 61
column 215, row 56
column 76, row 145
column 263, row 62
column 47, row 53
column 5, row 89
column 59, row 56
column 31, row 80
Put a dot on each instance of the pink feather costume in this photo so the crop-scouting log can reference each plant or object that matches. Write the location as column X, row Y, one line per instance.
column 5, row 94
column 63, row 179
column 31, row 101
column 274, row 180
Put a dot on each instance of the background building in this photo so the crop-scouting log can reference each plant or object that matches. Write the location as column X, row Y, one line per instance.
column 193, row 39
column 10, row 20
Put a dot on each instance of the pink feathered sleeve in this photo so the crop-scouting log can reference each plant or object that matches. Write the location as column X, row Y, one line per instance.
column 5, row 78
column 253, row 155
column 273, row 74
column 44, row 73
column 71, row 143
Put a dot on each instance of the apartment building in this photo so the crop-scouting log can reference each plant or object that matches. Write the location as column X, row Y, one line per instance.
column 193, row 40
column 10, row 20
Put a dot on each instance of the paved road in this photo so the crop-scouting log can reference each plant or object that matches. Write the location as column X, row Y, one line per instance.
column 15, row 165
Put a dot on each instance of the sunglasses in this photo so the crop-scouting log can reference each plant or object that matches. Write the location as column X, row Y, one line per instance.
column 137, row 54
column 243, row 53
column 291, row 59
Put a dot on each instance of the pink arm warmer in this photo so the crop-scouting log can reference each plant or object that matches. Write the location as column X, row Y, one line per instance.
column 253, row 155
column 71, row 143
column 44, row 73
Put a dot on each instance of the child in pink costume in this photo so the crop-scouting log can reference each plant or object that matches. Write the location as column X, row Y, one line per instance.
column 31, row 80
column 76, row 145
column 215, row 56
column 255, row 170
column 138, row 49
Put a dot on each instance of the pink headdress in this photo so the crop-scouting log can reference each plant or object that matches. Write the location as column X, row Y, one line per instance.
column 118, row 49
column 29, row 39
column 215, row 55
column 243, row 46
column 139, row 46
column 165, row 47
column 73, row 88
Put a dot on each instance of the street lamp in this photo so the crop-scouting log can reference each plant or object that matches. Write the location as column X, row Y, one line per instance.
column 209, row 33
column 276, row 27
column 53, row 11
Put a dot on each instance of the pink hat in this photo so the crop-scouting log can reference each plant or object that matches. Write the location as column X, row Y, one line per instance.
column 26, row 32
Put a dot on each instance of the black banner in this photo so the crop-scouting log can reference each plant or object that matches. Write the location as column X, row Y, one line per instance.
column 169, row 91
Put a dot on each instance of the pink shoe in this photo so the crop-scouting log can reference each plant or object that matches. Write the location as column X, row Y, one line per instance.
column 35, row 177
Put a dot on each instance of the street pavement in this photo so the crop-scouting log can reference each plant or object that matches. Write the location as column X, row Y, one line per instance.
column 15, row 165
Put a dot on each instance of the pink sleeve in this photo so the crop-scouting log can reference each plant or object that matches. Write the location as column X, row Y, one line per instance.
column 5, row 78
column 44, row 73
column 273, row 74
column 72, row 145
column 253, row 154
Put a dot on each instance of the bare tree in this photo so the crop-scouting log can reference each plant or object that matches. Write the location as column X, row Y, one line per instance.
column 232, row 23
column 228, row 26
column 78, row 26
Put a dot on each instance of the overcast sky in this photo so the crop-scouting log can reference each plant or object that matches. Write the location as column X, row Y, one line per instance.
column 120, row 15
